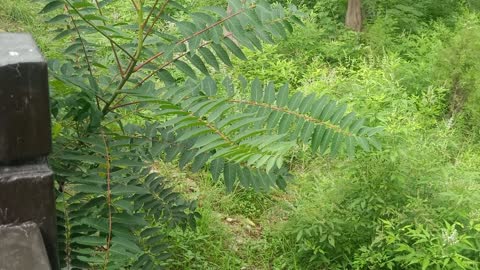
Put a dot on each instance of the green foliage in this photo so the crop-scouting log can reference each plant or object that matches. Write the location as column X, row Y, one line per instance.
column 458, row 64
column 388, row 212
column 183, row 93
column 269, row 65
column 412, row 206
column 109, row 199
column 129, row 94
column 420, row 247
column 16, row 12
column 410, row 15
column 248, row 203
column 327, row 42
column 206, row 248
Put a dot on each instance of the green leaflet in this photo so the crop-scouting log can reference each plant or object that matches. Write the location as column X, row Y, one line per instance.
column 234, row 48
column 52, row 5
column 209, row 57
column 126, row 244
column 182, row 66
column 209, row 86
column 89, row 240
column 229, row 176
column 91, row 189
column 198, row 63
column 166, row 76
column 216, row 168
column 222, row 54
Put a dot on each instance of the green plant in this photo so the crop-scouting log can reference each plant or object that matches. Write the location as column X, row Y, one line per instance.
column 411, row 15
column 458, row 66
column 419, row 185
column 131, row 92
column 16, row 12
column 209, row 247
column 269, row 65
column 248, row 203
column 419, row 247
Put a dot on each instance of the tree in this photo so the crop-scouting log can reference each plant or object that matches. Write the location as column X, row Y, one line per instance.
column 353, row 18
column 135, row 89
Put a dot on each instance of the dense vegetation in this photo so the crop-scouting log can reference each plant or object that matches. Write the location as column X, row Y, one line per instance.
column 211, row 162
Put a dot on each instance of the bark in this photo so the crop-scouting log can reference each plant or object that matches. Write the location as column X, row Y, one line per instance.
column 353, row 19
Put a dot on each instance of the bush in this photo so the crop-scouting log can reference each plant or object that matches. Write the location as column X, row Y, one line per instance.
column 137, row 84
column 269, row 65
column 413, row 206
column 389, row 211
column 411, row 15
column 458, row 65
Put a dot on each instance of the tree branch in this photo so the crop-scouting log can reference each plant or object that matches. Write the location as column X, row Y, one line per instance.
column 160, row 12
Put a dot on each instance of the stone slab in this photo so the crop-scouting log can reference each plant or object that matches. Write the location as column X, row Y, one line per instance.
column 21, row 248
column 25, row 129
column 27, row 194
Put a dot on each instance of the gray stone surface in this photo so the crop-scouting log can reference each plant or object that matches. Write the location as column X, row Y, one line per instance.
column 26, row 182
column 21, row 248
column 25, row 131
column 27, row 194
column 18, row 48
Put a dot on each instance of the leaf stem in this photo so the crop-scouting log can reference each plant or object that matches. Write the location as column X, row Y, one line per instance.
column 119, row 65
column 160, row 12
column 296, row 114
column 87, row 59
column 130, row 70
column 97, row 29
column 191, row 36
column 109, row 201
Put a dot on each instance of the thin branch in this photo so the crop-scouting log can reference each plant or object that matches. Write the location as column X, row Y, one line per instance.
column 161, row 67
column 150, row 13
column 131, row 66
column 124, row 105
column 100, row 98
column 134, row 112
column 84, row 48
column 97, row 29
column 119, row 65
column 134, row 5
column 68, row 248
column 164, row 65
column 160, row 12
column 216, row 130
column 109, row 200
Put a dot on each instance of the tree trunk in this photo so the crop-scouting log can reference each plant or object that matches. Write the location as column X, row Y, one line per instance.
column 353, row 19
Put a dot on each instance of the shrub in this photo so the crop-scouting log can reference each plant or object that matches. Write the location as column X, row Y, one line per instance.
column 390, row 212
column 458, row 65
column 135, row 90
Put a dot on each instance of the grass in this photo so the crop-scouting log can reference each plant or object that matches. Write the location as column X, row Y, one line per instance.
column 16, row 16
column 22, row 16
